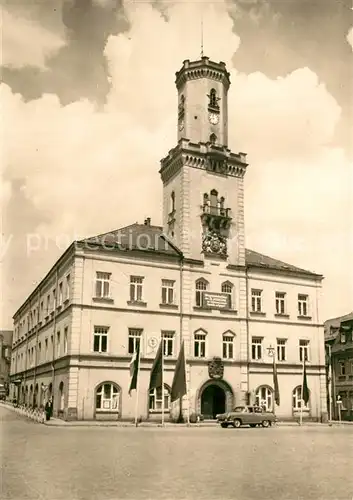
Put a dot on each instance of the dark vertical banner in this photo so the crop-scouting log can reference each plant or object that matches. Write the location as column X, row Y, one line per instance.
column 134, row 368
column 156, row 378
column 305, row 388
column 179, row 381
column 275, row 382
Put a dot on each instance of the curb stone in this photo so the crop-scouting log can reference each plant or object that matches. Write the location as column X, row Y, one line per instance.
column 39, row 417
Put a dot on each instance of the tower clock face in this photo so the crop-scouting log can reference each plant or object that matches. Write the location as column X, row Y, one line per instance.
column 181, row 125
column 214, row 118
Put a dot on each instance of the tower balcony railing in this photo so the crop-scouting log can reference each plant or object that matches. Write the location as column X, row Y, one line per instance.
column 218, row 211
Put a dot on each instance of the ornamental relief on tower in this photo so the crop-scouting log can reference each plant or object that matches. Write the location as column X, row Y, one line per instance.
column 214, row 243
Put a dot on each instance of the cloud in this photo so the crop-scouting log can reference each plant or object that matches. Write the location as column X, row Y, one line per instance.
column 88, row 171
column 350, row 37
column 25, row 42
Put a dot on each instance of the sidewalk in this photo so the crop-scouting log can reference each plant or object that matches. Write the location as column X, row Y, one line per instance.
column 57, row 422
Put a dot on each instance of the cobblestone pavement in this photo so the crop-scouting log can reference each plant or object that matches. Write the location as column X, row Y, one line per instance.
column 105, row 463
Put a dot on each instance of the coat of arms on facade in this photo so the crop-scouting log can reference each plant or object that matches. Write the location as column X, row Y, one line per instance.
column 213, row 242
column 215, row 368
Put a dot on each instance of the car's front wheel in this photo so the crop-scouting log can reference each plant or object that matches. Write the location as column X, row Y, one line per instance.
column 237, row 423
column 265, row 423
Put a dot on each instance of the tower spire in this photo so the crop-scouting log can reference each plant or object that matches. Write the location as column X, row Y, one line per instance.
column 201, row 35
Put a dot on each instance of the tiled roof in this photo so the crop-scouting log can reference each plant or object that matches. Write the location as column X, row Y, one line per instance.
column 149, row 238
column 259, row 260
column 335, row 322
column 135, row 237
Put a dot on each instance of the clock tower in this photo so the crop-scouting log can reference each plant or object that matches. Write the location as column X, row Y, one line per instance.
column 203, row 203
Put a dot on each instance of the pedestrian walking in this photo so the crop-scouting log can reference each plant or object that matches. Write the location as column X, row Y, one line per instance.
column 47, row 411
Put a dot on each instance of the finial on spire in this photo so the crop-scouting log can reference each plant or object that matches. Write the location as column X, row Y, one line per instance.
column 201, row 35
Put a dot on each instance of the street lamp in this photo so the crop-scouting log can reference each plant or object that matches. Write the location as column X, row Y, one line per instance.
column 271, row 351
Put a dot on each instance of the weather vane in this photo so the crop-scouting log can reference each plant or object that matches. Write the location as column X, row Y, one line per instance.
column 201, row 34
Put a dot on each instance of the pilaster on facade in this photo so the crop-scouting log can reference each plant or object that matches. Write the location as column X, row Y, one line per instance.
column 184, row 224
column 72, row 394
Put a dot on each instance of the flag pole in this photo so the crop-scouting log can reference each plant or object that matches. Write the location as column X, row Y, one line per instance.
column 301, row 394
column 187, row 391
column 162, row 382
column 137, row 384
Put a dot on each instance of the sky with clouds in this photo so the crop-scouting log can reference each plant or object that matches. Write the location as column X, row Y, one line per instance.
column 89, row 109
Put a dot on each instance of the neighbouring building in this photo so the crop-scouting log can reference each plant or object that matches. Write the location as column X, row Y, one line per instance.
column 339, row 366
column 191, row 279
column 5, row 360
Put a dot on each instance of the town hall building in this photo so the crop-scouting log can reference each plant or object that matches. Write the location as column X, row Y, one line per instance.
column 192, row 279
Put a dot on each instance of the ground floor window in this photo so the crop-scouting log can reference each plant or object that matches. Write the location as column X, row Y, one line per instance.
column 264, row 398
column 107, row 397
column 297, row 399
column 155, row 399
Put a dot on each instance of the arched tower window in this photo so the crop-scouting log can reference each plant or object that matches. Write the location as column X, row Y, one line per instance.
column 213, row 98
column 214, row 199
column 213, row 138
column 172, row 202
column 181, row 105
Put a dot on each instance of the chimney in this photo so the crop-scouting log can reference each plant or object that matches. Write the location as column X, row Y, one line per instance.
column 147, row 221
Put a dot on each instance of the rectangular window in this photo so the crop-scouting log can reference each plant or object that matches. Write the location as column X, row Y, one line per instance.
column 256, row 300
column 303, row 305
column 39, row 352
column 167, row 291
column 41, row 310
column 54, row 299
column 51, row 354
column 100, row 339
column 67, row 287
column 48, row 305
column 135, row 335
column 66, row 330
column 342, row 368
column 168, row 343
column 136, row 288
column 256, row 348
column 58, row 350
column 103, row 285
column 281, row 349
column 46, row 350
column 200, row 345
column 303, row 350
column 60, row 294
column 280, row 303
column 228, row 346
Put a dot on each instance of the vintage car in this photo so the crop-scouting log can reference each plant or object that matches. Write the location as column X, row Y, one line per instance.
column 246, row 415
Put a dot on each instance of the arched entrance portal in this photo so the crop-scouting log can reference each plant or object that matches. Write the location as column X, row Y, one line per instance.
column 213, row 401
